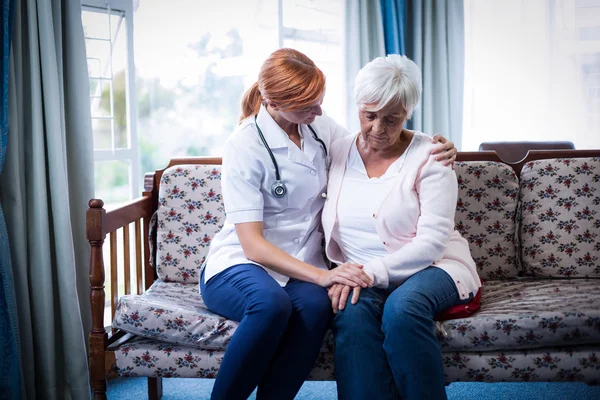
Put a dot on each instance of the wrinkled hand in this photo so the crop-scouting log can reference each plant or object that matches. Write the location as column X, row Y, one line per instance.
column 338, row 294
column 346, row 274
column 447, row 152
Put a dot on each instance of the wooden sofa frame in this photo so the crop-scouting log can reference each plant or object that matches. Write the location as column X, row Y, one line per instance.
column 103, row 339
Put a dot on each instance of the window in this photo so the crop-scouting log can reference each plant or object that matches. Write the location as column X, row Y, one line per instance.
column 532, row 71
column 316, row 28
column 108, row 30
column 194, row 61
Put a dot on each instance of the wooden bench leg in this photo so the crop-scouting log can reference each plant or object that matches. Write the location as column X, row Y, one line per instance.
column 99, row 389
column 155, row 388
column 96, row 363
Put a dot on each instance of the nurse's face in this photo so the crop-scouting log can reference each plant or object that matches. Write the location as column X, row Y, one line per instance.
column 306, row 115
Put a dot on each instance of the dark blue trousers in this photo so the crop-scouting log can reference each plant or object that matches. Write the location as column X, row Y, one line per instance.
column 279, row 336
column 385, row 344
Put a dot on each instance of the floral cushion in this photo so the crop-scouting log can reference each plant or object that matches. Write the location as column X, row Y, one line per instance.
column 577, row 364
column 522, row 314
column 528, row 314
column 190, row 212
column 485, row 216
column 173, row 312
column 560, row 227
column 149, row 357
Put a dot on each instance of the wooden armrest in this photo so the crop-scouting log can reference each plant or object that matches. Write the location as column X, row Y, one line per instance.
column 126, row 214
column 99, row 224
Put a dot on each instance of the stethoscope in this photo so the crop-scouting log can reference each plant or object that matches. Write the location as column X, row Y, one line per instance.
column 278, row 188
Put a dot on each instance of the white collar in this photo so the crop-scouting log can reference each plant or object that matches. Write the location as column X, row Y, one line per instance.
column 274, row 135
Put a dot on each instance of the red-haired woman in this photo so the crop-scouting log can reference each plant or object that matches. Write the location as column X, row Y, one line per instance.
column 265, row 268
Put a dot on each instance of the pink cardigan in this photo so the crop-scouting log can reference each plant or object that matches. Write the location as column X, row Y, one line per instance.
column 415, row 221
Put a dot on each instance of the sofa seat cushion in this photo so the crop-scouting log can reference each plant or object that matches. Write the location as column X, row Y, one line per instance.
column 528, row 314
column 173, row 312
column 155, row 358
column 560, row 227
column 518, row 314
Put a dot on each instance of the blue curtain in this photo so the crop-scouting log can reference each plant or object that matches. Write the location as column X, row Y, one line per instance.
column 10, row 365
column 431, row 33
column 394, row 13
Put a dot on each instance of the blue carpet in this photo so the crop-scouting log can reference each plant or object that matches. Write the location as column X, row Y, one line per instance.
column 184, row 389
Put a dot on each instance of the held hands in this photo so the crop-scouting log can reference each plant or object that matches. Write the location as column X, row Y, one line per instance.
column 447, row 152
column 338, row 294
column 346, row 274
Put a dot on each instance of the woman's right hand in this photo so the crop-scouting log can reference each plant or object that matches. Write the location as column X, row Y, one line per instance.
column 346, row 274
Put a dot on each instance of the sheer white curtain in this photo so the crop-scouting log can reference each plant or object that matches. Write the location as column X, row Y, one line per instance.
column 532, row 71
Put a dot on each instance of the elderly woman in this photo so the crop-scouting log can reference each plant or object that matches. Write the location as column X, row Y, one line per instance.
column 390, row 208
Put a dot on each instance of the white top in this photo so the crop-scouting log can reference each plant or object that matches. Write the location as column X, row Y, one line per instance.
column 414, row 222
column 292, row 222
column 355, row 231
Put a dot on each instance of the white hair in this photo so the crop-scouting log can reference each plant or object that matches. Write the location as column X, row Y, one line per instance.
column 388, row 80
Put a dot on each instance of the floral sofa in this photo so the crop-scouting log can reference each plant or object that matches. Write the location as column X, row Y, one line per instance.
column 534, row 232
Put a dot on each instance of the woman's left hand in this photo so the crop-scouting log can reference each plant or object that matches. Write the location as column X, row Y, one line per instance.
column 338, row 294
column 446, row 151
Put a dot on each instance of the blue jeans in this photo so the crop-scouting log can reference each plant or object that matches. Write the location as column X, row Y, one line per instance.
column 279, row 336
column 385, row 344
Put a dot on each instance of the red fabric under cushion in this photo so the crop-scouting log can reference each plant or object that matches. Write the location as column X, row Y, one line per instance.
column 462, row 310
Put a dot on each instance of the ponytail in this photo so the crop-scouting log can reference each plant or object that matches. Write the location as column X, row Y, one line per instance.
column 251, row 102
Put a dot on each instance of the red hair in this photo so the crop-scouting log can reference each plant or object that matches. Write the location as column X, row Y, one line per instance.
column 289, row 79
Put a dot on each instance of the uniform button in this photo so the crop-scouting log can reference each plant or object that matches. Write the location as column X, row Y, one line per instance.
column 296, row 240
column 457, row 281
column 324, row 195
column 384, row 243
column 374, row 216
column 313, row 172
column 306, row 218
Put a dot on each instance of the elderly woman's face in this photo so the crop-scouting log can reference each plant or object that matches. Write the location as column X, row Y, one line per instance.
column 381, row 129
